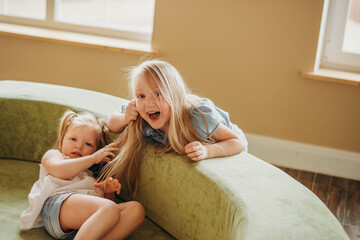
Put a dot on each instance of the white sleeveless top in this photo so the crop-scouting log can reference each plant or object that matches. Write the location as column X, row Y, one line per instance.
column 48, row 186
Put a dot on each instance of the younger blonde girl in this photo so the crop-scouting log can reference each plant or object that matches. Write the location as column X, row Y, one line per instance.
column 163, row 109
column 66, row 199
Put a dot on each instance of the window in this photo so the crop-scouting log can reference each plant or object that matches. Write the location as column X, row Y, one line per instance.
column 339, row 44
column 126, row 19
column 27, row 9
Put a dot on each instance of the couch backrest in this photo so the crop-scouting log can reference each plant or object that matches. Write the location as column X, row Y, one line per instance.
column 30, row 114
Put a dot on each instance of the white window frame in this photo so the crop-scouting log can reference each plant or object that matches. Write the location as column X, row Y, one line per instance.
column 330, row 54
column 50, row 23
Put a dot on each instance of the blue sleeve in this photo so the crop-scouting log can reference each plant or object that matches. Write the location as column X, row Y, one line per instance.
column 209, row 114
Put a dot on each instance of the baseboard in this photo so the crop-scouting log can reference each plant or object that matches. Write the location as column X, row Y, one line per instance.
column 305, row 157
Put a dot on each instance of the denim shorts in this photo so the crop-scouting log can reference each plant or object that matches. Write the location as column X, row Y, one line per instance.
column 50, row 216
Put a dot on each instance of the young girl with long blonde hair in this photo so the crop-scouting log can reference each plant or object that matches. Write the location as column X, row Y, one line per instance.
column 170, row 115
column 66, row 199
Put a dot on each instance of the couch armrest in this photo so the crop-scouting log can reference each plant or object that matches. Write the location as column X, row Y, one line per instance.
column 236, row 197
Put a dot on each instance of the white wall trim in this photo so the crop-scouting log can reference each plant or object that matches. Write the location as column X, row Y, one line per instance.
column 305, row 157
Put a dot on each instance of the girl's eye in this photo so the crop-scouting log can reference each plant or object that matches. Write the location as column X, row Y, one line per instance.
column 141, row 96
column 73, row 139
column 89, row 144
column 157, row 94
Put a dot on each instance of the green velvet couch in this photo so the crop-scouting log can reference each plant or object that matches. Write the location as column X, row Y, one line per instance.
column 236, row 197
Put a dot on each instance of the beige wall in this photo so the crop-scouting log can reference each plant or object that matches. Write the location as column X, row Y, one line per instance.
column 244, row 55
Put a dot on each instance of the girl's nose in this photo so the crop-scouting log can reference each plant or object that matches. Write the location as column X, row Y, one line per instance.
column 151, row 101
column 78, row 145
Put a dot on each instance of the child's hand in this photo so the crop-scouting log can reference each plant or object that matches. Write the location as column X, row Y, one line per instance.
column 102, row 154
column 109, row 186
column 131, row 112
column 196, row 151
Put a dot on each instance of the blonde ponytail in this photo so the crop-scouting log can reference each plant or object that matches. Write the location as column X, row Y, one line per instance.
column 126, row 165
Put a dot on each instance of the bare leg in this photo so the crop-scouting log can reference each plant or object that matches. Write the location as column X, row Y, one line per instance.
column 93, row 216
column 132, row 215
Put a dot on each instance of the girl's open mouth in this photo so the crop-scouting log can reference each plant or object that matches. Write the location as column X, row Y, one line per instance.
column 154, row 115
column 76, row 154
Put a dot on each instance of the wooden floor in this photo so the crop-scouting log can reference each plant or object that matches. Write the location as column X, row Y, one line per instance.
column 341, row 196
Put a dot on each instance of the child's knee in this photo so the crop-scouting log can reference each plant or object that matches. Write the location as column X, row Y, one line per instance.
column 137, row 210
column 110, row 210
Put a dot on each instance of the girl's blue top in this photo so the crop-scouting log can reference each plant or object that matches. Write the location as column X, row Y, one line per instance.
column 213, row 115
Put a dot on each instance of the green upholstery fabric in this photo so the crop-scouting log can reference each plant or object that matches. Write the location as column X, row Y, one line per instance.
column 236, row 197
column 15, row 185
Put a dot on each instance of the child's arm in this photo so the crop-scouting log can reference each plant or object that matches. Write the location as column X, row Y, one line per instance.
column 109, row 187
column 227, row 143
column 118, row 120
column 59, row 167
